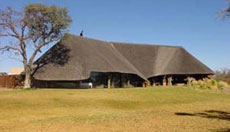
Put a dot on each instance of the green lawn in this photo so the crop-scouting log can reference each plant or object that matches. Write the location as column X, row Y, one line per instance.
column 131, row 109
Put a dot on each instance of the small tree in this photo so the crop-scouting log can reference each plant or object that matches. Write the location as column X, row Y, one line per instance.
column 37, row 26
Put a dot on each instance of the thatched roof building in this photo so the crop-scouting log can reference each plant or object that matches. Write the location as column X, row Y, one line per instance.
column 75, row 58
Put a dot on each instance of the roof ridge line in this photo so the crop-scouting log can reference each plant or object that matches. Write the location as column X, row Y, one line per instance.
column 140, row 74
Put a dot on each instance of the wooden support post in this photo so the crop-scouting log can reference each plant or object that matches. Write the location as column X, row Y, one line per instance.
column 153, row 84
column 170, row 81
column 109, row 81
column 128, row 83
column 120, row 80
column 164, row 81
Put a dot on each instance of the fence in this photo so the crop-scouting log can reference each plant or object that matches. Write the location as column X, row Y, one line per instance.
column 10, row 81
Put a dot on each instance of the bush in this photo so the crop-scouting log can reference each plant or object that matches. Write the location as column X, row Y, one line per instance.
column 207, row 83
column 194, row 83
column 189, row 81
column 201, row 84
column 210, row 83
column 213, row 84
column 146, row 84
column 222, row 84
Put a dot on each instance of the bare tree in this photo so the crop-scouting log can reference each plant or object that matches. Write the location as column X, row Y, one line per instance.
column 36, row 26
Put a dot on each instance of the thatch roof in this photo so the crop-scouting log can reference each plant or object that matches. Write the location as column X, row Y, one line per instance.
column 74, row 58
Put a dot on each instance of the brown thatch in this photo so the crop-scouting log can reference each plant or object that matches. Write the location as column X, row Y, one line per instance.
column 74, row 58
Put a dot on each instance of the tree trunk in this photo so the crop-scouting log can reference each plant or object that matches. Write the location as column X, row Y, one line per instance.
column 27, row 83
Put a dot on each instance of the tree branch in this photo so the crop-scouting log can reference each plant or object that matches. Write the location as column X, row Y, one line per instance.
column 12, row 27
column 7, row 34
column 37, row 49
column 8, row 48
column 23, row 28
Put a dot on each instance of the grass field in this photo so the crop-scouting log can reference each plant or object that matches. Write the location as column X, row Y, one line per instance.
column 133, row 109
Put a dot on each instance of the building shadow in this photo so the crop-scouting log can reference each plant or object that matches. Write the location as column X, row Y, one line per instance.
column 222, row 130
column 210, row 114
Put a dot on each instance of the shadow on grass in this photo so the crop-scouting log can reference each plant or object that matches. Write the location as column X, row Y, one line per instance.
column 222, row 130
column 62, row 88
column 211, row 114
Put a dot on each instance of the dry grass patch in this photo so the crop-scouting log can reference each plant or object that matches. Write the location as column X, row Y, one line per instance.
column 136, row 109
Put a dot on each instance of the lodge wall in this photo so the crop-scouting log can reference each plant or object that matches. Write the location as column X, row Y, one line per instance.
column 116, row 80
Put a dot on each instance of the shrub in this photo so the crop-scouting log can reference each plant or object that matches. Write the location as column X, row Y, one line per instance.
column 207, row 83
column 189, row 81
column 213, row 84
column 222, row 84
column 146, row 84
column 194, row 83
column 201, row 84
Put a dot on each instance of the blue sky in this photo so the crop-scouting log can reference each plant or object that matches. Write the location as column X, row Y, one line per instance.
column 189, row 23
